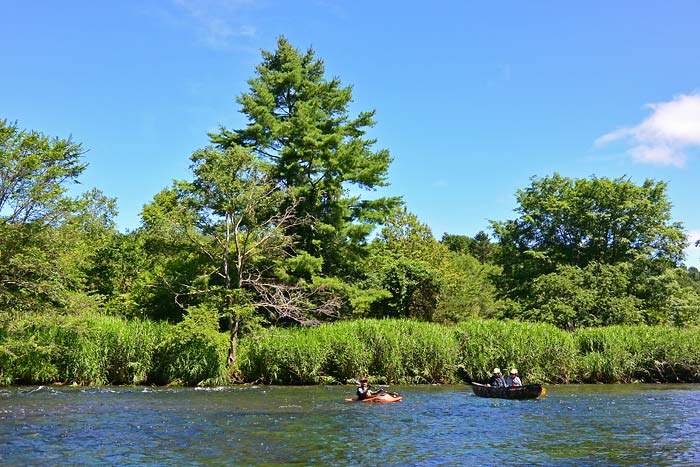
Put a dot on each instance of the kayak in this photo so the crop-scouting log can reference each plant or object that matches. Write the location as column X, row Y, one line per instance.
column 528, row 391
column 383, row 397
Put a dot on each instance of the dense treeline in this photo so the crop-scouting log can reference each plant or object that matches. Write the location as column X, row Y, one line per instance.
column 106, row 350
column 276, row 228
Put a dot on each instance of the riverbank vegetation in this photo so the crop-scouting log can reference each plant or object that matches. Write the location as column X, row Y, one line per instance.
column 106, row 350
column 280, row 253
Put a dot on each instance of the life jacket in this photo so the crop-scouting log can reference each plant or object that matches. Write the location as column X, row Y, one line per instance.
column 363, row 393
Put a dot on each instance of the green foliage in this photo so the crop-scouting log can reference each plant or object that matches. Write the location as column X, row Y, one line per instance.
column 466, row 289
column 284, row 357
column 589, row 252
column 350, row 355
column 120, row 274
column 638, row 353
column 28, row 267
column 684, row 304
column 236, row 208
column 424, row 278
column 433, row 357
column 356, row 299
column 405, row 351
column 235, row 201
column 541, row 352
column 598, row 294
column 98, row 350
column 91, row 350
column 167, row 259
column 35, row 171
column 412, row 287
column 397, row 351
column 192, row 352
column 299, row 122
column 578, row 221
column 302, row 267
column 400, row 263
column 47, row 240
column 26, row 353
column 603, row 294
column 456, row 243
column 479, row 246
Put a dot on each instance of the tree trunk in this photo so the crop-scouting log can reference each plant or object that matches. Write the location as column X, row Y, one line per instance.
column 233, row 326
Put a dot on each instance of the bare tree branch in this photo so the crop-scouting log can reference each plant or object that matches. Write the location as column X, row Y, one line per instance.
column 296, row 303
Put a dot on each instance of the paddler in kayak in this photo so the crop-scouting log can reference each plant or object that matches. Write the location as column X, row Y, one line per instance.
column 364, row 390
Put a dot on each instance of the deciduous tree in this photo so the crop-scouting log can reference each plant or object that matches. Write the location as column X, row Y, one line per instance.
column 579, row 231
column 40, row 226
column 234, row 218
column 424, row 279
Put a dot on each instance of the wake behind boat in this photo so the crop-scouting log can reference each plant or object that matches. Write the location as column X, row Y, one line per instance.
column 528, row 391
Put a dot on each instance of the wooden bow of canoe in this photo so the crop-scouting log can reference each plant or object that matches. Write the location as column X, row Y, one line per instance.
column 528, row 391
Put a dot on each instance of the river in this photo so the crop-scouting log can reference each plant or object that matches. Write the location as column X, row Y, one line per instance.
column 606, row 425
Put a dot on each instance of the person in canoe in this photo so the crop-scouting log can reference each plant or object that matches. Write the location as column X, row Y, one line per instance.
column 497, row 380
column 513, row 380
column 364, row 390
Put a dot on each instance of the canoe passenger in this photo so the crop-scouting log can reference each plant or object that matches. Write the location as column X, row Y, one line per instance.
column 497, row 380
column 363, row 390
column 513, row 379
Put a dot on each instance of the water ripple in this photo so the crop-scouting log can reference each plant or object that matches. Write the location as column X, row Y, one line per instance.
column 433, row 426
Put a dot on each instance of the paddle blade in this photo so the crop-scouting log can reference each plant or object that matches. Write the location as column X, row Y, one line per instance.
column 544, row 391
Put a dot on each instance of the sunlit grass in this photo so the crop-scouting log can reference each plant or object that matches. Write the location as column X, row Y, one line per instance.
column 99, row 350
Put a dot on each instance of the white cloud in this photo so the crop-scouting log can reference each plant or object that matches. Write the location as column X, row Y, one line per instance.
column 218, row 22
column 659, row 154
column 666, row 136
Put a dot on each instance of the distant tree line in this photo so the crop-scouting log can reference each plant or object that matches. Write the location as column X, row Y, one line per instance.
column 276, row 227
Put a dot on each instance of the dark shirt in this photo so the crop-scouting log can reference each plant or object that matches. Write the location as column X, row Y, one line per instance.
column 363, row 393
column 497, row 381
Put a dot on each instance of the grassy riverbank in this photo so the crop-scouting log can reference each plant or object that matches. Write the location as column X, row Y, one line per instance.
column 105, row 350
column 102, row 350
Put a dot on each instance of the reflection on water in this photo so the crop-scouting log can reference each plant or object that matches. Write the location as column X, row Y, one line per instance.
column 266, row 426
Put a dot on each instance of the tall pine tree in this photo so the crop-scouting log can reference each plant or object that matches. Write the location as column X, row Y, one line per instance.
column 299, row 122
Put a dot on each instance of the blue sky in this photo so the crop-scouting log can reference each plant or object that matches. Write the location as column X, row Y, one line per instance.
column 472, row 98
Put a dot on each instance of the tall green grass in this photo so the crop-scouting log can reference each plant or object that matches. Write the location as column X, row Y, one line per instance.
column 102, row 350
column 409, row 352
column 541, row 352
column 284, row 356
column 638, row 353
column 397, row 351
column 26, row 353
column 99, row 350
column 189, row 357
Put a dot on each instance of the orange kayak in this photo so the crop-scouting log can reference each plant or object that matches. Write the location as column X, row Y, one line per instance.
column 383, row 397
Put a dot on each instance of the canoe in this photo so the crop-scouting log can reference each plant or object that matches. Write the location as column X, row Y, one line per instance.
column 383, row 397
column 528, row 391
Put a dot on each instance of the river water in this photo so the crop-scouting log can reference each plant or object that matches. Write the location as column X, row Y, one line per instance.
column 612, row 425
